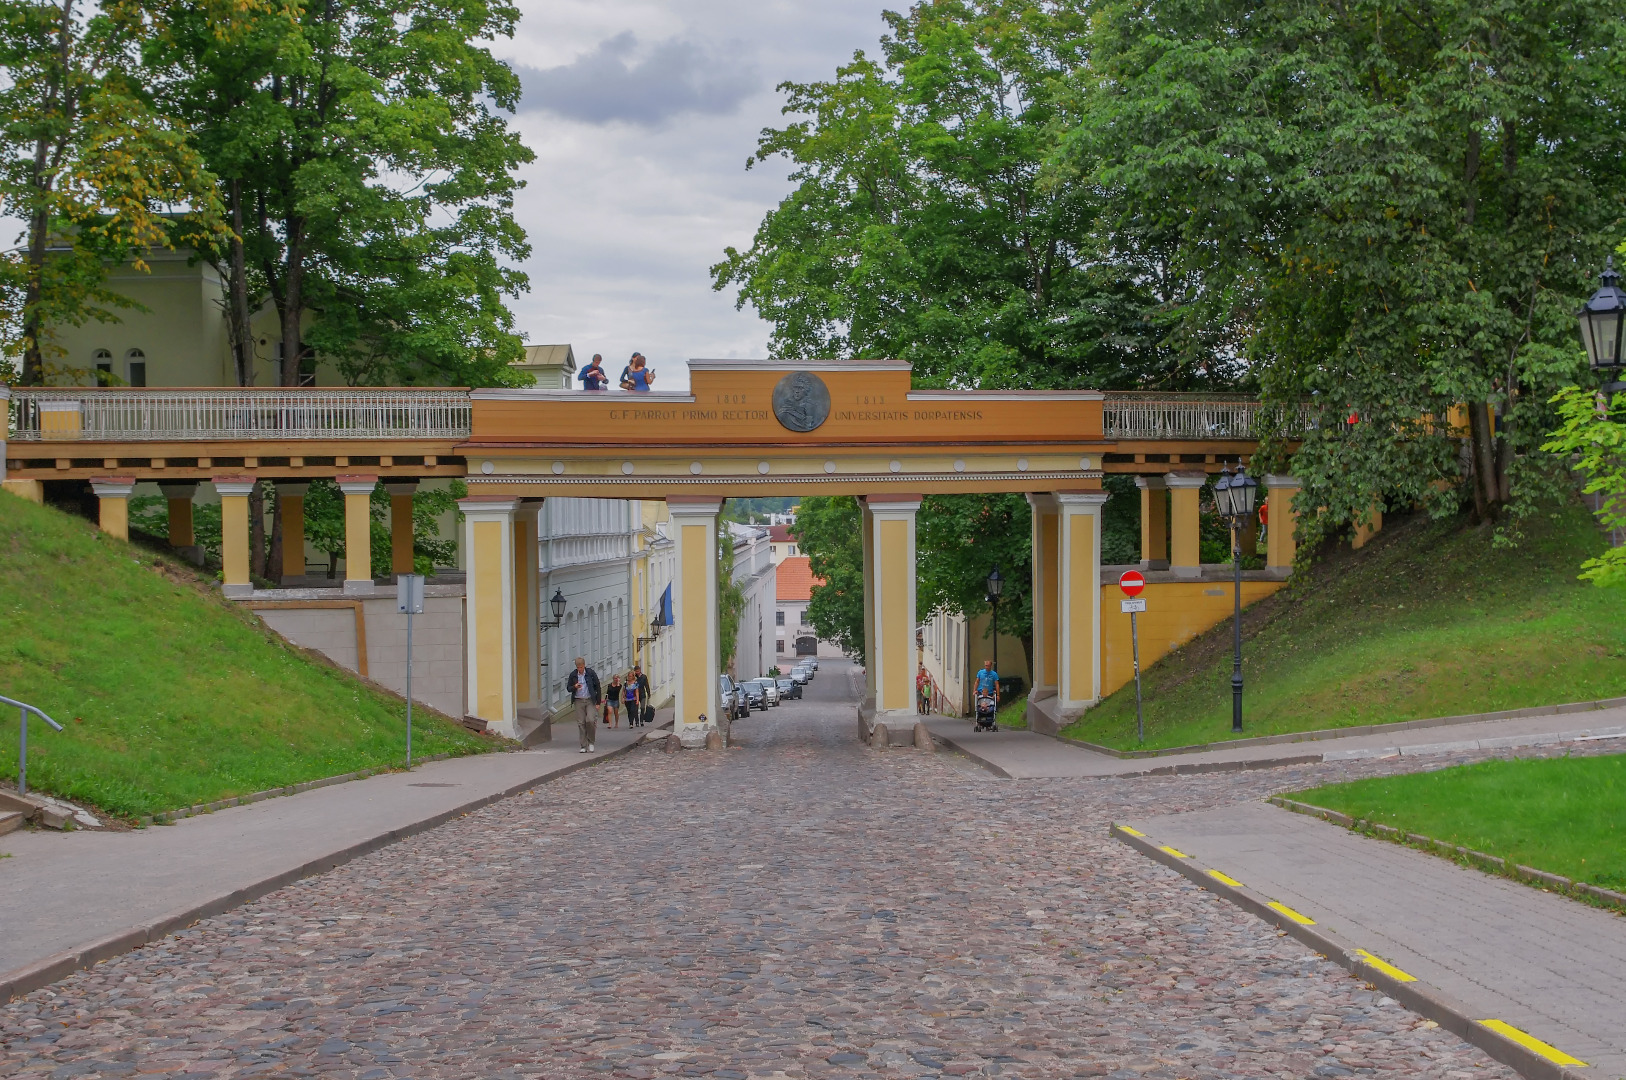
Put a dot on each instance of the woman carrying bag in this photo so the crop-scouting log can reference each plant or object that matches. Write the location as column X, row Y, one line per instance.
column 637, row 376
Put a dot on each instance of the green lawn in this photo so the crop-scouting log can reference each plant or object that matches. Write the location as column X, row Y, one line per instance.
column 170, row 695
column 1014, row 714
column 1431, row 619
column 1562, row 815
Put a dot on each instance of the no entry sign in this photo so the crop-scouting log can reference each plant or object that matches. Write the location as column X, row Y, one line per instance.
column 1131, row 583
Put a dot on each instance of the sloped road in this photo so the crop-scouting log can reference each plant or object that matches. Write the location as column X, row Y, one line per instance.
column 799, row 907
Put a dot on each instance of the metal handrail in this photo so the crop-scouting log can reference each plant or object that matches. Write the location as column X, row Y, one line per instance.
column 22, row 745
column 165, row 414
column 1140, row 415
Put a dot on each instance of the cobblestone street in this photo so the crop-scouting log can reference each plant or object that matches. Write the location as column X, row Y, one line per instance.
column 798, row 907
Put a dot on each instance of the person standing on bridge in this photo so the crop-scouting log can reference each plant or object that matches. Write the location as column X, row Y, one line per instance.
column 593, row 376
column 637, row 376
column 583, row 688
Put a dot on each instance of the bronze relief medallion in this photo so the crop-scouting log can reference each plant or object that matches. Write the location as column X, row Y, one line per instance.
column 801, row 401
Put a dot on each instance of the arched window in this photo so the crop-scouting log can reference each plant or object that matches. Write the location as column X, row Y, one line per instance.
column 102, row 364
column 135, row 367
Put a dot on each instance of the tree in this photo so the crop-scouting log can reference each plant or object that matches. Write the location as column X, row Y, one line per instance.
column 370, row 179
column 829, row 530
column 730, row 598
column 1592, row 436
column 925, row 225
column 960, row 538
column 1394, row 208
column 94, row 170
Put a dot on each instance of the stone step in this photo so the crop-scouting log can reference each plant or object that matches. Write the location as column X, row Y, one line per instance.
column 10, row 820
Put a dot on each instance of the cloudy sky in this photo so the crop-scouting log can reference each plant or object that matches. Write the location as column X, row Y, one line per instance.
column 642, row 114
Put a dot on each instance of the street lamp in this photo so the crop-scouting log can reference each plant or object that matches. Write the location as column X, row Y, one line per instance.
column 1233, row 498
column 1601, row 318
column 996, row 585
column 558, row 605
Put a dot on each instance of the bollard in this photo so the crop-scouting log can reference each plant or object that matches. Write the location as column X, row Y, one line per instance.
column 673, row 744
column 923, row 738
column 880, row 738
column 714, row 739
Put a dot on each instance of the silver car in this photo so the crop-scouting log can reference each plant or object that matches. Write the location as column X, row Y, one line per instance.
column 770, row 690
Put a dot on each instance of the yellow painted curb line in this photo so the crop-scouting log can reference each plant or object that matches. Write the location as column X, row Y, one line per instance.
column 1176, row 852
column 1226, row 879
column 1132, row 832
column 1385, row 967
column 1531, row 1043
column 1302, row 920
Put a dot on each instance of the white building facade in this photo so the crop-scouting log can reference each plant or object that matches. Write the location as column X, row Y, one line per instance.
column 754, row 574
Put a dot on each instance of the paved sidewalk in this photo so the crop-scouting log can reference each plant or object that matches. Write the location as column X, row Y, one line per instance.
column 77, row 897
column 1552, row 967
column 1024, row 755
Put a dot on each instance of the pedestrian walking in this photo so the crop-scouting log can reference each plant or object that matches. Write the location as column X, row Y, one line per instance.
column 633, row 699
column 612, row 702
column 923, row 688
column 638, row 376
column 583, row 687
column 593, row 376
column 646, row 711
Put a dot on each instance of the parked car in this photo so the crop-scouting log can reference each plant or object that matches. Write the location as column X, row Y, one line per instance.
column 812, row 662
column 800, row 676
column 789, row 688
column 731, row 699
column 754, row 697
column 770, row 689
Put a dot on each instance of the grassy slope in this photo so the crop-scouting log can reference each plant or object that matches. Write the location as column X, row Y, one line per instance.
column 170, row 695
column 1428, row 620
column 1563, row 815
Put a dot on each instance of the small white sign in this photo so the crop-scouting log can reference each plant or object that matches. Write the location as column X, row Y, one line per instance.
column 409, row 593
column 1137, row 604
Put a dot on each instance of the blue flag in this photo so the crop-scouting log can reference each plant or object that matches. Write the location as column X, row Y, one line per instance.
column 666, row 607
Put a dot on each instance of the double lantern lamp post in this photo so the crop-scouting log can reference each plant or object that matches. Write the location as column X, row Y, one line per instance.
column 996, row 585
column 1234, row 499
column 1601, row 321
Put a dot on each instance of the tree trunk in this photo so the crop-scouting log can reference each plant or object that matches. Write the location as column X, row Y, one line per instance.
column 292, row 304
column 33, row 373
column 1482, row 438
column 274, row 561
column 242, row 333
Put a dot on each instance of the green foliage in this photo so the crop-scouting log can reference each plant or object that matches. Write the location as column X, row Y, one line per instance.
column 1592, row 437
column 361, row 147
column 1431, row 618
column 746, row 511
column 730, row 599
column 90, row 163
column 829, row 530
column 170, row 695
column 1393, row 210
column 1562, row 815
column 923, row 226
column 958, row 540
column 324, row 524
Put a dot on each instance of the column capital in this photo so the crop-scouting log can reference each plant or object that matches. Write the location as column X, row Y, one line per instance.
column 1152, row 483
column 892, row 503
column 227, row 486
column 1185, row 480
column 693, row 505
column 187, row 490
column 487, row 506
column 1082, row 498
column 1041, row 500
column 112, row 487
column 1283, row 480
column 357, row 484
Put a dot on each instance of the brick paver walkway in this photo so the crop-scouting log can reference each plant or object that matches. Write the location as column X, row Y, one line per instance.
column 802, row 907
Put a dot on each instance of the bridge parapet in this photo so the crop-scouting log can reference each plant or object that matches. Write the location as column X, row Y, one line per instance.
column 1136, row 415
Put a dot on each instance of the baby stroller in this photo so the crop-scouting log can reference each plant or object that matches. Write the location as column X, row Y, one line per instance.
column 987, row 711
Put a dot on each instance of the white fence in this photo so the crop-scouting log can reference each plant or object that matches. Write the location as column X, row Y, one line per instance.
column 1198, row 416
column 163, row 415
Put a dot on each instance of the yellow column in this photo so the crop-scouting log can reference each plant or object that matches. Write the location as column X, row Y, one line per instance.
column 291, row 508
column 866, row 544
column 1154, row 522
column 696, row 665
column 1279, row 544
column 114, row 505
column 1185, row 549
column 1080, row 681
column 1046, row 595
column 488, row 538
column 358, row 531
column 1366, row 528
column 234, row 492
column 182, row 536
column 527, row 626
column 892, row 596
column 401, row 525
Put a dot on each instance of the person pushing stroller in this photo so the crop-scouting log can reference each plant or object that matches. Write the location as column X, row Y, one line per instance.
column 987, row 695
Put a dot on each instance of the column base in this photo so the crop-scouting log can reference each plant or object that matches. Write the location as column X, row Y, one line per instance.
column 192, row 553
column 1192, row 572
column 363, row 587
column 237, row 590
column 1049, row 715
column 1154, row 564
column 693, row 736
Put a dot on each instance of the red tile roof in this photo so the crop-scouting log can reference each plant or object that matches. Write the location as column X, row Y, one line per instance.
column 780, row 534
column 795, row 580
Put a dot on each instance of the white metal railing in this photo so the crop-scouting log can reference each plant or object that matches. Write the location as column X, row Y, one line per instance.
column 1135, row 415
column 182, row 415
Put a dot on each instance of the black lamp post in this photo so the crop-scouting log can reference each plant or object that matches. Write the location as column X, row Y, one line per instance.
column 996, row 585
column 558, row 605
column 1233, row 498
column 1601, row 318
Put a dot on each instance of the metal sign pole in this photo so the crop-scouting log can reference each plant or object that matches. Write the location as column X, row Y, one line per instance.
column 409, row 688
column 22, row 757
column 1134, row 645
column 409, row 601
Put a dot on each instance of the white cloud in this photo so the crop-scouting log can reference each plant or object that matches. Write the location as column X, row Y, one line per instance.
column 642, row 116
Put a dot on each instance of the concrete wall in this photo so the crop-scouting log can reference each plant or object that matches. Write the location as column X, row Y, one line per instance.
column 1176, row 612
column 315, row 619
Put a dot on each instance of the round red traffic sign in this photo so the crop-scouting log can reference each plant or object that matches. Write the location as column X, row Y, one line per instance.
column 1131, row 583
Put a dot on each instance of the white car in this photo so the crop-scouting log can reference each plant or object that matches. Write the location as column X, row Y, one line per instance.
column 770, row 690
column 801, row 676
